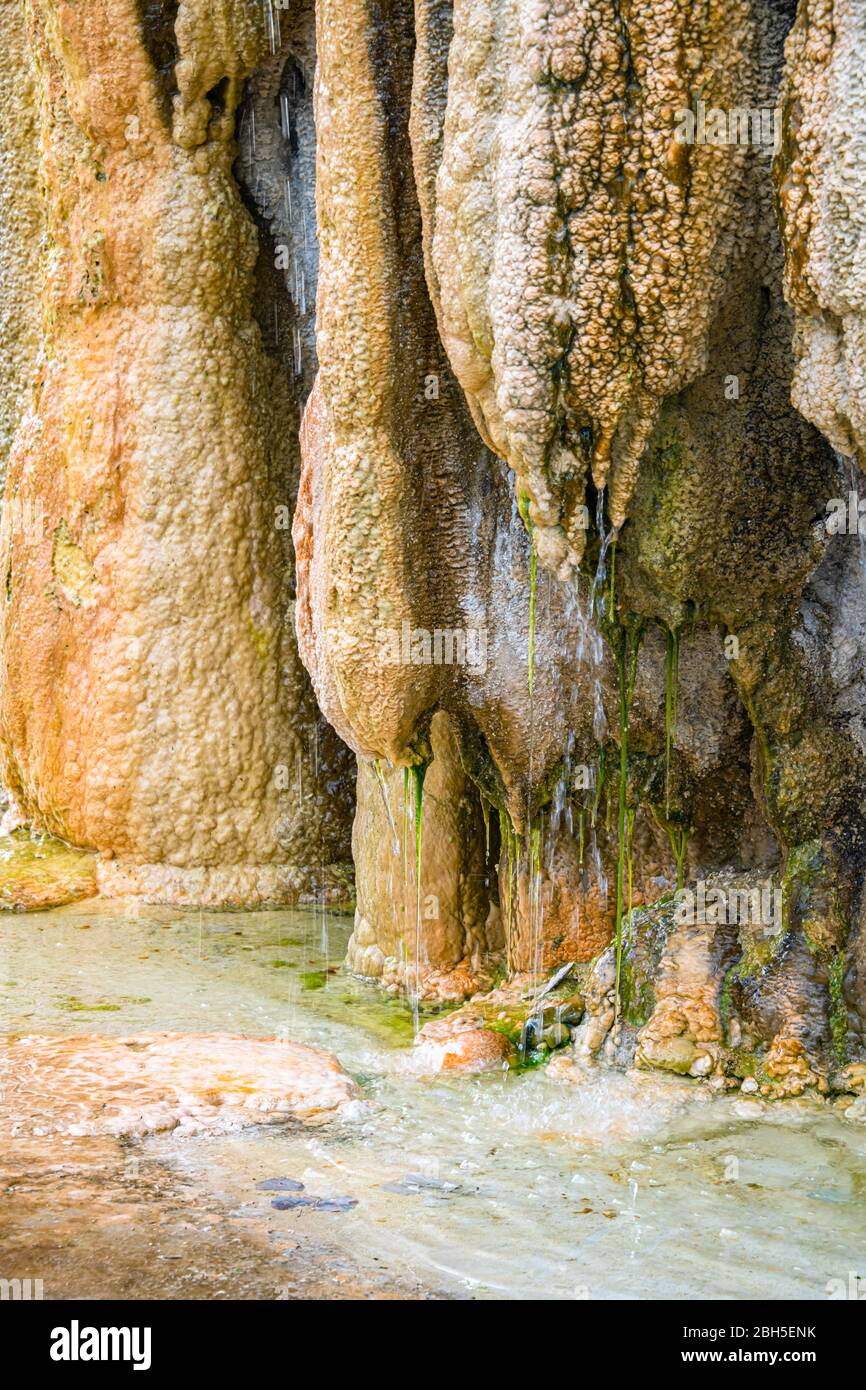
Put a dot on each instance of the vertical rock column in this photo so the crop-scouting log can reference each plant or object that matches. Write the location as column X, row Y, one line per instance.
column 152, row 705
column 20, row 222
column 436, row 934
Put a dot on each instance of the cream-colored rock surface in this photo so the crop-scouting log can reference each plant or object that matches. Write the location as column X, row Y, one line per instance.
column 407, row 525
column 153, row 703
column 821, row 177
column 150, row 1083
column 366, row 575
column 21, row 250
column 545, row 318
column 722, row 985
column 685, row 1030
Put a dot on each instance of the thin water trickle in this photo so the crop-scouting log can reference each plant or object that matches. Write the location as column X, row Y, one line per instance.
column 855, row 480
column 270, row 25
column 379, row 776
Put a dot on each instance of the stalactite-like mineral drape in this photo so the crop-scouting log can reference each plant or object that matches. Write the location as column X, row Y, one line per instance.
column 607, row 283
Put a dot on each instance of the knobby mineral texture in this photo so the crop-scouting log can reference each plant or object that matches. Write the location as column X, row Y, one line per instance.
column 583, row 373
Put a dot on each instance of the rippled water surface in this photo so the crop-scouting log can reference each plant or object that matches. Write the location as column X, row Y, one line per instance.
column 503, row 1186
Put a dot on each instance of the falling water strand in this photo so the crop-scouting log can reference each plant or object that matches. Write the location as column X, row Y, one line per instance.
column 854, row 485
column 538, row 905
column 271, row 28
column 605, row 538
column 523, row 508
column 533, row 894
column 589, row 626
column 672, row 670
column 627, row 657
column 379, row 777
column 405, row 837
column 417, row 774
column 509, row 850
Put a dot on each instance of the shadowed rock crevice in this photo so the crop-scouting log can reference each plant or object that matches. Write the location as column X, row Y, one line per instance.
column 158, row 19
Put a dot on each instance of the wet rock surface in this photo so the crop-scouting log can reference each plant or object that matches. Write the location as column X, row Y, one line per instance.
column 662, row 687
column 154, row 707
column 38, row 871
column 726, row 992
column 516, row 1025
column 151, row 1083
column 103, row 1221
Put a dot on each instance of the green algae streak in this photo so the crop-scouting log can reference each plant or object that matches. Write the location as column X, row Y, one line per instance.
column 672, row 672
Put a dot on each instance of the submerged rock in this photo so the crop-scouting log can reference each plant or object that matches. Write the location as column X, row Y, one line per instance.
column 39, row 871
column 470, row 1050
column 520, row 1026
column 314, row 1203
column 414, row 1184
column 150, row 1083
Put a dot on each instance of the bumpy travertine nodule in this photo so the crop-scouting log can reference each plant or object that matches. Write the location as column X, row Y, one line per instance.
column 821, row 178
column 179, row 1083
column 578, row 247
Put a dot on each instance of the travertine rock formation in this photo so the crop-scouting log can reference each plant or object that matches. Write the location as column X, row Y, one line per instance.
column 20, row 224
column 441, row 937
column 579, row 251
column 563, row 423
column 151, row 1083
column 822, row 200
column 153, row 705
column 606, row 280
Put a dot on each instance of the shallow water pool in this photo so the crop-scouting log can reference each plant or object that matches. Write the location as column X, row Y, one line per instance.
column 555, row 1183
